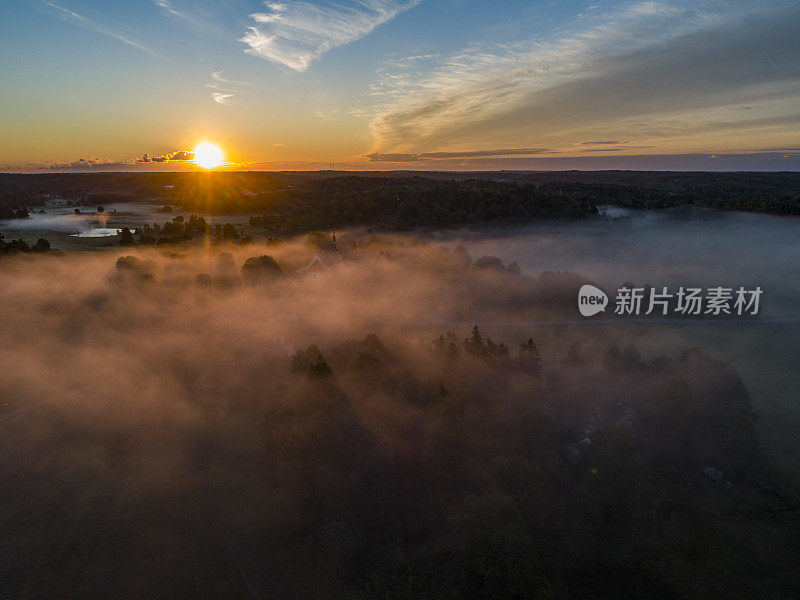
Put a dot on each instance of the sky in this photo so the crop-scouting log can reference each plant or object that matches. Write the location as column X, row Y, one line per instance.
column 88, row 85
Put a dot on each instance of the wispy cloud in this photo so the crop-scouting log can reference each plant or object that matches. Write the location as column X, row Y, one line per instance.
column 167, row 7
column 217, row 76
column 222, row 97
column 297, row 33
column 77, row 19
column 647, row 70
column 422, row 156
column 200, row 15
column 222, row 93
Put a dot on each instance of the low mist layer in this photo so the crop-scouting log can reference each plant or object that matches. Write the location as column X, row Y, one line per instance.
column 235, row 421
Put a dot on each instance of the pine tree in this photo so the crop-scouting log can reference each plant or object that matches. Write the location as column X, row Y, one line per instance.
column 530, row 358
column 474, row 343
column 477, row 338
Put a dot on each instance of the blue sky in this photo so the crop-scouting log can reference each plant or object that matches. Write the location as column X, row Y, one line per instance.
column 451, row 84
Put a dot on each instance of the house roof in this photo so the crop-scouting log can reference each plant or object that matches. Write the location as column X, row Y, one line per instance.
column 611, row 413
column 325, row 258
column 329, row 257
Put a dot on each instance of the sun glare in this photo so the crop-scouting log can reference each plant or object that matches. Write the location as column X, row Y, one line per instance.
column 208, row 156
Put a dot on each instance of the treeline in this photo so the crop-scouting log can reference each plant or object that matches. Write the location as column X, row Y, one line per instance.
column 173, row 231
column 408, row 203
column 303, row 201
column 28, row 190
column 723, row 195
column 180, row 229
column 14, row 213
column 20, row 245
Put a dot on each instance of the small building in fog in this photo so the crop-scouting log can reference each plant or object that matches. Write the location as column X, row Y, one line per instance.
column 614, row 415
column 323, row 261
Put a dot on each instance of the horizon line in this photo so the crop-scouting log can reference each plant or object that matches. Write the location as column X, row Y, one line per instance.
column 223, row 171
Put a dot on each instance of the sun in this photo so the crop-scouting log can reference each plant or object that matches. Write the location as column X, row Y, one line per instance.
column 208, row 156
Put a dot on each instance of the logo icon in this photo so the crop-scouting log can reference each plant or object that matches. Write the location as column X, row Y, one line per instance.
column 591, row 300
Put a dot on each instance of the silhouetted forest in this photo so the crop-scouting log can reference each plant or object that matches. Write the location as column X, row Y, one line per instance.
column 404, row 204
column 303, row 201
column 495, row 484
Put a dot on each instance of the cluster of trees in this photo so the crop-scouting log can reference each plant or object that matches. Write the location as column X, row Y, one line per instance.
column 722, row 197
column 225, row 231
column 20, row 245
column 175, row 230
column 261, row 269
column 255, row 270
column 180, row 229
column 528, row 356
column 752, row 201
column 469, row 481
column 416, row 202
column 494, row 263
column 18, row 189
column 14, row 213
column 759, row 196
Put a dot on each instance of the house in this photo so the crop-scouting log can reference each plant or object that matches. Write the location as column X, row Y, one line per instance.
column 323, row 261
column 614, row 415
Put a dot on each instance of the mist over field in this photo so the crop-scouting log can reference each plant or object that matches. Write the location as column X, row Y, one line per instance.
column 684, row 247
column 203, row 422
